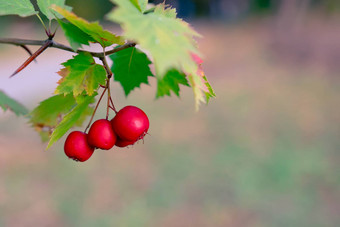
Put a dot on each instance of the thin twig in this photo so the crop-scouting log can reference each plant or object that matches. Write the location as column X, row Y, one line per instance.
column 20, row 42
column 106, row 65
column 109, row 75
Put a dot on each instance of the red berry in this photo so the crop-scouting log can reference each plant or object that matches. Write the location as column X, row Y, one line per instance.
column 130, row 123
column 101, row 135
column 77, row 148
column 124, row 143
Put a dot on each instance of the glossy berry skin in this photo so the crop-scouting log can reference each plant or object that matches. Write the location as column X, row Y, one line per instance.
column 124, row 143
column 77, row 148
column 130, row 123
column 101, row 135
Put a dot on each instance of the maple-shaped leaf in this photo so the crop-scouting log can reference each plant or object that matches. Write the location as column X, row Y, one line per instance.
column 46, row 116
column 70, row 119
column 131, row 68
column 101, row 36
column 81, row 74
column 74, row 35
column 7, row 103
column 21, row 8
column 170, row 82
column 44, row 6
column 168, row 39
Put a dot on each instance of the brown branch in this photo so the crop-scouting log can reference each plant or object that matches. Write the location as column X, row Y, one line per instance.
column 106, row 66
column 20, row 42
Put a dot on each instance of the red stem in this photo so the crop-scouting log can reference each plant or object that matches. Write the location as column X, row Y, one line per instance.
column 108, row 98
column 95, row 110
column 113, row 106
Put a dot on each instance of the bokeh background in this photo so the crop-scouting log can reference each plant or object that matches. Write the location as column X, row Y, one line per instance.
column 264, row 153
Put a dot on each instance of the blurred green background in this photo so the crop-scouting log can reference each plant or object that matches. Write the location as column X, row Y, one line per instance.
column 264, row 153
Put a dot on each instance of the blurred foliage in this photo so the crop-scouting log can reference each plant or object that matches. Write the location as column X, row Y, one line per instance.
column 261, row 6
column 217, row 9
column 91, row 9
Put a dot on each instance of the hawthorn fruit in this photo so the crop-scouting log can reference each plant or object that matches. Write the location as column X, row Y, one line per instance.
column 130, row 124
column 124, row 143
column 101, row 135
column 77, row 148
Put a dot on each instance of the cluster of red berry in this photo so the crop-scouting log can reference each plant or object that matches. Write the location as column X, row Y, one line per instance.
column 128, row 126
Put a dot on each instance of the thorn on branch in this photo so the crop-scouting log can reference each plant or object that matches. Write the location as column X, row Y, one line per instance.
column 48, row 43
column 28, row 51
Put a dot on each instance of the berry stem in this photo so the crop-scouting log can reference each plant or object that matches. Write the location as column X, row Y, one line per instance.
column 113, row 106
column 113, row 109
column 95, row 110
column 109, row 75
column 108, row 98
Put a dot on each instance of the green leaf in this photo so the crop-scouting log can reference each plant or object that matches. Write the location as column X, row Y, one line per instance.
column 49, row 110
column 209, row 93
column 74, row 35
column 81, row 74
column 141, row 5
column 47, row 115
column 168, row 12
column 197, row 84
column 70, row 119
column 86, row 113
column 200, row 84
column 44, row 6
column 101, row 36
column 170, row 82
column 22, row 8
column 7, row 103
column 136, row 4
column 201, row 87
column 169, row 40
column 130, row 68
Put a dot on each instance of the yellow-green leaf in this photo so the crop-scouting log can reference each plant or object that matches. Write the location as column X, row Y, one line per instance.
column 101, row 36
column 81, row 74
column 70, row 120
column 168, row 39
